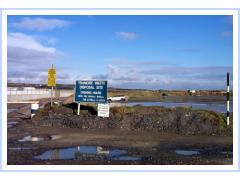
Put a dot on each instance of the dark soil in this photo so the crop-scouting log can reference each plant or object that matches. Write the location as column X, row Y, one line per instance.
column 152, row 133
column 138, row 118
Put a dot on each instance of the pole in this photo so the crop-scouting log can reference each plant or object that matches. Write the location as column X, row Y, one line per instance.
column 52, row 93
column 34, row 108
column 78, row 113
column 52, row 96
column 227, row 98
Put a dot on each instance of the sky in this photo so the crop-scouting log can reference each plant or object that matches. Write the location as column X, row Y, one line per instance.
column 130, row 51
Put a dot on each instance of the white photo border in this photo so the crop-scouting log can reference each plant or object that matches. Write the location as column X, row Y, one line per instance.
column 234, row 167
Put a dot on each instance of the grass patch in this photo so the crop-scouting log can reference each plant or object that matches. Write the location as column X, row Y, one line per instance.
column 214, row 117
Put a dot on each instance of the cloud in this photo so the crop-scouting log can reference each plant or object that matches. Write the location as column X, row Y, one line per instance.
column 126, row 62
column 63, row 76
column 226, row 34
column 127, row 35
column 48, row 40
column 100, row 76
column 181, row 70
column 199, row 74
column 139, row 75
column 170, row 85
column 39, row 24
column 125, row 78
column 23, row 49
column 28, row 59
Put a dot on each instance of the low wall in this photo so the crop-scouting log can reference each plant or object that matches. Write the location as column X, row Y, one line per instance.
column 66, row 93
column 36, row 94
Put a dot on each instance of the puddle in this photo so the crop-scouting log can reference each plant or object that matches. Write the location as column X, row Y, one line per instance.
column 9, row 110
column 213, row 106
column 81, row 152
column 187, row 152
column 126, row 158
column 55, row 137
column 19, row 148
column 226, row 152
column 11, row 124
column 35, row 138
column 30, row 138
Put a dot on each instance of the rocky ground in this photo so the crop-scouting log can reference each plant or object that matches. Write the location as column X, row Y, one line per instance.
column 151, row 133
column 178, row 120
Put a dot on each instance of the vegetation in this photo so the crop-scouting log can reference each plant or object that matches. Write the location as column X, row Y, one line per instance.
column 181, row 120
column 157, row 95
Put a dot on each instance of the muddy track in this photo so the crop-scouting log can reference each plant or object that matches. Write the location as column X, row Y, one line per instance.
column 141, row 132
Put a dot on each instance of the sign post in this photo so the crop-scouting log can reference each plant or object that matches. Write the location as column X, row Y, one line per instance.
column 52, row 81
column 91, row 92
column 78, row 113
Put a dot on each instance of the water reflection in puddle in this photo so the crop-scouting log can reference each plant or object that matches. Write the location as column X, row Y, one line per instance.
column 87, row 151
column 11, row 124
column 187, row 152
column 19, row 148
column 126, row 158
column 9, row 110
column 30, row 138
column 212, row 107
column 55, row 137
column 226, row 152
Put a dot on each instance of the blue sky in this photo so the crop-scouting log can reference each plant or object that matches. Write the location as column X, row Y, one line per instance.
column 153, row 52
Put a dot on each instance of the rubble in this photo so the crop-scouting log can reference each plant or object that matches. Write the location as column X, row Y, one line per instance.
column 179, row 120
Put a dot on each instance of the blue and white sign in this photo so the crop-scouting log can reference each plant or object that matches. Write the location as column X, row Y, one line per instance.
column 91, row 91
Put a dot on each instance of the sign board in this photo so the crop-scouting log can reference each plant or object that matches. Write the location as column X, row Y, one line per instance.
column 52, row 77
column 91, row 91
column 103, row 110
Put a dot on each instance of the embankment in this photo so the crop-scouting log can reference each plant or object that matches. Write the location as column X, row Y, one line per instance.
column 137, row 118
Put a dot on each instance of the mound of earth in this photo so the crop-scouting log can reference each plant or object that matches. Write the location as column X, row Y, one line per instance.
column 137, row 118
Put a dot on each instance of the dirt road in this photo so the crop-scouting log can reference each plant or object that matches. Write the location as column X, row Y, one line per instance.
column 137, row 147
